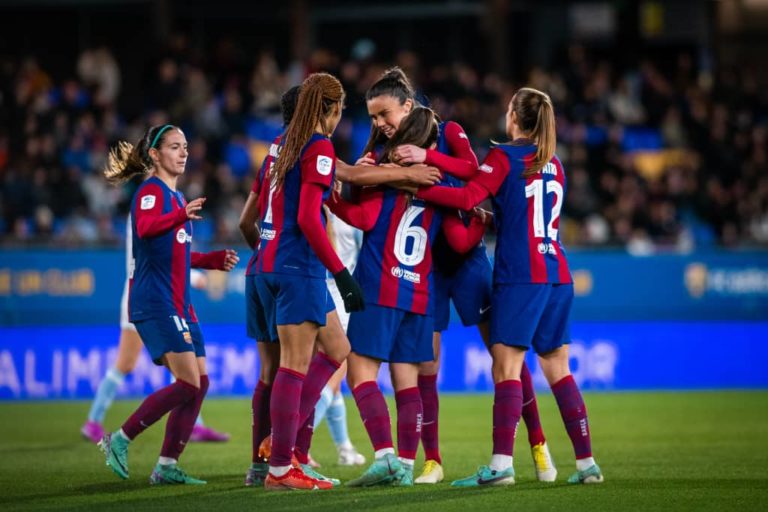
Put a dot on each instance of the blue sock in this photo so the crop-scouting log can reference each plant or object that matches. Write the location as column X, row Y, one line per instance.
column 337, row 420
column 326, row 397
column 105, row 395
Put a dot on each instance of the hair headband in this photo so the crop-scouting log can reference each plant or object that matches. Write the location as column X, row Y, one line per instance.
column 159, row 133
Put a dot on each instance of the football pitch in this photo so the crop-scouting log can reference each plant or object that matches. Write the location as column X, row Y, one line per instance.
column 658, row 451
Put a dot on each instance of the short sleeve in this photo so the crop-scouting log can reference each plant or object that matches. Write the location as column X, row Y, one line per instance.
column 318, row 163
column 493, row 171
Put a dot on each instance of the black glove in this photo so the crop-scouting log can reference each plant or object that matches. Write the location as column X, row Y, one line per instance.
column 350, row 291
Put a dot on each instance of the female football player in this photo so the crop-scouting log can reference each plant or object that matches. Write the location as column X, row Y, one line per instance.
column 532, row 286
column 159, row 304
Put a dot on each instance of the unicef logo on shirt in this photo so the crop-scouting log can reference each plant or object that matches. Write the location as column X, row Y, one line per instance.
column 397, row 272
column 182, row 237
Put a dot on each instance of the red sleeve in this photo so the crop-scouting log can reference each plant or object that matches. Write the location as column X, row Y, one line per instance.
column 493, row 171
column 150, row 221
column 209, row 260
column 364, row 215
column 462, row 162
column 310, row 205
column 318, row 162
column 463, row 238
column 463, row 198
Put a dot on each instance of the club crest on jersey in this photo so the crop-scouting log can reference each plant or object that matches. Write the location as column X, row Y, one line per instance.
column 547, row 248
column 324, row 165
column 147, row 202
column 187, row 337
column 408, row 275
column 182, row 237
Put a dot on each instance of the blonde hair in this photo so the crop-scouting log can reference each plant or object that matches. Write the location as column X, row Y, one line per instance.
column 320, row 92
column 536, row 117
column 126, row 160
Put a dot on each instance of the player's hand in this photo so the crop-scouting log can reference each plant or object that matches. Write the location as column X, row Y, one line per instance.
column 485, row 216
column 350, row 291
column 193, row 207
column 230, row 260
column 410, row 154
column 366, row 159
column 424, row 175
column 405, row 185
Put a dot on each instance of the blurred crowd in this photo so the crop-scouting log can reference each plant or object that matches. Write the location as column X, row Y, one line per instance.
column 659, row 156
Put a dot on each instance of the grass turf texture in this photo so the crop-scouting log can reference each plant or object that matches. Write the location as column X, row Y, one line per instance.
column 658, row 451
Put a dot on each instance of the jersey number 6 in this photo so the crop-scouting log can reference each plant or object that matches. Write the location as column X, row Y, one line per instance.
column 405, row 231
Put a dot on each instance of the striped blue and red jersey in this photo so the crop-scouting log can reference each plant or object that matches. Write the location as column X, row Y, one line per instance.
column 527, row 214
column 284, row 248
column 394, row 267
column 162, row 257
column 261, row 183
column 452, row 154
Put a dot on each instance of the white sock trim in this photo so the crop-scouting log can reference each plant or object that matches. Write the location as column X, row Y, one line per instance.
column 585, row 463
column 407, row 462
column 500, row 462
column 166, row 461
column 122, row 434
column 279, row 470
column 381, row 453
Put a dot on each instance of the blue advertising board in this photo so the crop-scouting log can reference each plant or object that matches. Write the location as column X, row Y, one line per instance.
column 68, row 362
column 84, row 287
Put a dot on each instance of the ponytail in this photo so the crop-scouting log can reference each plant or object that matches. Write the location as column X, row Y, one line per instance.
column 319, row 93
column 126, row 160
column 536, row 118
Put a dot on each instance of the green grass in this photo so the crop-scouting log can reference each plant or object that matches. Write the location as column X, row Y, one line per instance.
column 658, row 451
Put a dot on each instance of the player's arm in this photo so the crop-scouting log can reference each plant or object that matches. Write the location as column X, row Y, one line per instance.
column 362, row 215
column 463, row 238
column 225, row 260
column 248, row 219
column 462, row 162
column 316, row 175
column 150, row 219
column 486, row 182
column 366, row 175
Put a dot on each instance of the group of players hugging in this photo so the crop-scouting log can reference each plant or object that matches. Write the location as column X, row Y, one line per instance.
column 352, row 266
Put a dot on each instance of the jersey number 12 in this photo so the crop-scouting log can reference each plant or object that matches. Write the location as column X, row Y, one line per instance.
column 536, row 191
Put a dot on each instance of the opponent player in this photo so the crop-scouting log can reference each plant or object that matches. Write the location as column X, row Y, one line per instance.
column 394, row 269
column 293, row 255
column 465, row 279
column 129, row 347
column 532, row 288
column 159, row 304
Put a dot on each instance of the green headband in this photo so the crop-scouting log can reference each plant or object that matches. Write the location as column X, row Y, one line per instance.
column 159, row 133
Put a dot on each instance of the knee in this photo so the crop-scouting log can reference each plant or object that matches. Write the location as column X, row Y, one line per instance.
column 429, row 368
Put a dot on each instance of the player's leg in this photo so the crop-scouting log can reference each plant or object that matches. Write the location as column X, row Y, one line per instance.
column 551, row 345
column 168, row 345
column 427, row 384
column 336, row 415
column 542, row 460
column 181, row 420
column 269, row 360
column 127, row 354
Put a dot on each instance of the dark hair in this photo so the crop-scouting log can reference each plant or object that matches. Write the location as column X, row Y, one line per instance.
column 288, row 103
column 392, row 83
column 320, row 92
column 419, row 128
column 126, row 160
column 536, row 118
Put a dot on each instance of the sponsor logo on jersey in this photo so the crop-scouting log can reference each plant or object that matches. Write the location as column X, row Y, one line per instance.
column 547, row 248
column 324, row 165
column 486, row 168
column 147, row 202
column 401, row 273
column 182, row 237
column 187, row 337
column 268, row 234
